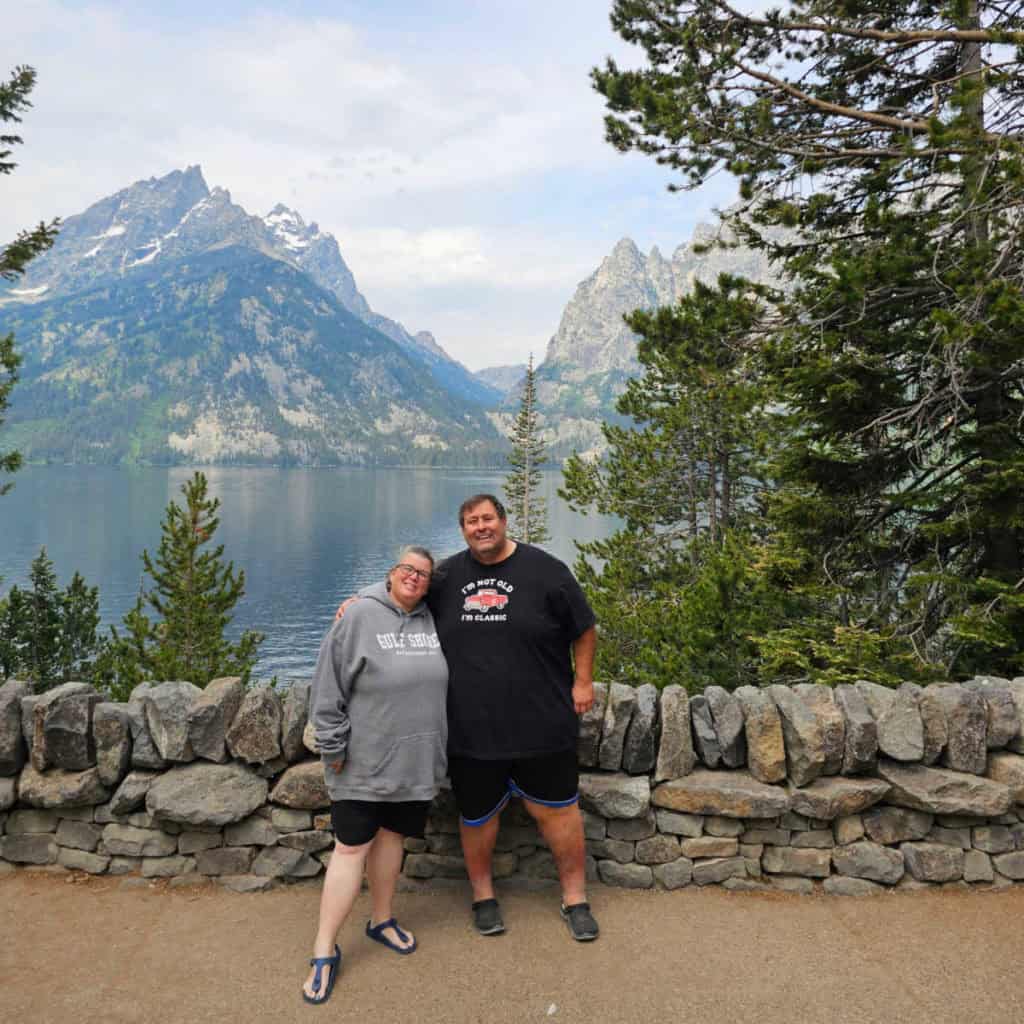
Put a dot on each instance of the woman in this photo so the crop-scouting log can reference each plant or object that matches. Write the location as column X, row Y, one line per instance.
column 378, row 709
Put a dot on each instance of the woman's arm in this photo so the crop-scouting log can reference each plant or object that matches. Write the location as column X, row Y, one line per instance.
column 333, row 679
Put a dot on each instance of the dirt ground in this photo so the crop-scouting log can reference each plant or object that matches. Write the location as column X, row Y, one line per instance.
column 82, row 949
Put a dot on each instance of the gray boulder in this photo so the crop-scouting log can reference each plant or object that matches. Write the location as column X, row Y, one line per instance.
column 833, row 797
column 210, row 715
column 900, row 729
column 860, row 742
column 705, row 738
column 128, row 841
column 8, row 793
column 112, row 734
column 228, row 860
column 933, row 862
column 591, row 727
column 940, row 791
column 206, row 794
column 12, row 743
column 62, row 728
column 978, row 867
column 933, row 720
column 28, row 720
column 166, row 707
column 625, row 876
column 820, row 700
column 674, row 875
column 302, row 787
column 762, row 728
column 727, row 715
column 280, row 862
column 675, row 751
column 1017, row 689
column 621, row 704
column 718, row 869
column 29, row 849
column 890, row 825
column 789, row 860
column 144, row 752
column 255, row 733
column 839, row 885
column 732, row 794
column 966, row 726
column 131, row 794
column 309, row 738
column 1002, row 716
column 615, row 796
column 294, row 716
column 805, row 742
column 640, row 746
column 59, row 788
column 1010, row 865
column 869, row 860
column 1008, row 769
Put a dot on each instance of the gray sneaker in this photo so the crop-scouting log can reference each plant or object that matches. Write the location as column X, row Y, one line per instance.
column 487, row 917
column 581, row 922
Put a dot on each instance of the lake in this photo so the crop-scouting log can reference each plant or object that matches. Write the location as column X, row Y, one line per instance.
column 305, row 537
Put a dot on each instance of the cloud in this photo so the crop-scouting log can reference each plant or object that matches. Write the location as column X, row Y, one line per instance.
column 455, row 147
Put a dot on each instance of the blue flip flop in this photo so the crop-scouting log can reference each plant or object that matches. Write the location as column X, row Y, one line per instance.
column 377, row 934
column 333, row 963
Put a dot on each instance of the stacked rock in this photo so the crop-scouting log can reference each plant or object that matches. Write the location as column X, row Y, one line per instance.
column 850, row 790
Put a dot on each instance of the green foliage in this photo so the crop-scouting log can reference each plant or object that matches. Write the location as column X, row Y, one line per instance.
column 878, row 148
column 192, row 596
column 28, row 244
column 528, row 518
column 48, row 635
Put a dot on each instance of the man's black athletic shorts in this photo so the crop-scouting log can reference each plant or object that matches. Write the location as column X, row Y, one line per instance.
column 356, row 821
column 482, row 788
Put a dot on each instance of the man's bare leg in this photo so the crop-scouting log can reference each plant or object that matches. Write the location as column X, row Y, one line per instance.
column 562, row 828
column 478, row 850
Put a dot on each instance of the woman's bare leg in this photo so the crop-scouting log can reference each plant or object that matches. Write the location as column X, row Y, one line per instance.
column 382, row 867
column 341, row 887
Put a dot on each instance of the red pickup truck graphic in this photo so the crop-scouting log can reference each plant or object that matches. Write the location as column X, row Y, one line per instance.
column 485, row 600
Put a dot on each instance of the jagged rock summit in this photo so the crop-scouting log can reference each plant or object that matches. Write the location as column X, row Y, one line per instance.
column 167, row 324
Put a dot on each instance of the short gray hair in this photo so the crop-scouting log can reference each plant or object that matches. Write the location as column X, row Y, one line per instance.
column 416, row 549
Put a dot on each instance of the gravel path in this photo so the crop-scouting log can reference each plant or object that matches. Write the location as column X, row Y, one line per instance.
column 82, row 949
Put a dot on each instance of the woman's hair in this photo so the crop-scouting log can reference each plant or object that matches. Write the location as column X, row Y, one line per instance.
column 409, row 549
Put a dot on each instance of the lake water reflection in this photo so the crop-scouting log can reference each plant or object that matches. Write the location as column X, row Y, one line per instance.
column 305, row 537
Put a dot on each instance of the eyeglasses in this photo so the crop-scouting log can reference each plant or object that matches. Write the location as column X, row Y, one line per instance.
column 410, row 570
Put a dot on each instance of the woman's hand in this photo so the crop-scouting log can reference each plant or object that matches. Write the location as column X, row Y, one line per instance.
column 336, row 766
column 582, row 694
column 344, row 607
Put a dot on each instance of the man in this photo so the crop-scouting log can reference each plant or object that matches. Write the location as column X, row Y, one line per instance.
column 519, row 637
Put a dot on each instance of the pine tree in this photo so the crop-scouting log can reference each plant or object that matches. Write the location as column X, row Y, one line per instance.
column 28, row 244
column 528, row 519
column 193, row 595
column 885, row 139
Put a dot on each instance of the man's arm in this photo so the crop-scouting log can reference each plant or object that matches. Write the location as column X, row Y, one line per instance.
column 583, row 648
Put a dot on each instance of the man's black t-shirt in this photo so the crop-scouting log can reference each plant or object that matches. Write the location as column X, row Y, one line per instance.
column 507, row 630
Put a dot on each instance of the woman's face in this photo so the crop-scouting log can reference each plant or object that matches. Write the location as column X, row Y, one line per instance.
column 410, row 580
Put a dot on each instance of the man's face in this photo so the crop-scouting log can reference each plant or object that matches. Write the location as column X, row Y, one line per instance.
column 484, row 530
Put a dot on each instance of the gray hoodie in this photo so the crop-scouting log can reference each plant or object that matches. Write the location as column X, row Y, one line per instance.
column 378, row 702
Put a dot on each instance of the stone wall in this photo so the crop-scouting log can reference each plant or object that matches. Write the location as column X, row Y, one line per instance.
column 850, row 790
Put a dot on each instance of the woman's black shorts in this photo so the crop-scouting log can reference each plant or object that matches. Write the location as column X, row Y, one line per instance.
column 356, row 821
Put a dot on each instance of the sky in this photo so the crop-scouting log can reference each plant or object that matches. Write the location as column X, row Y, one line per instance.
column 454, row 148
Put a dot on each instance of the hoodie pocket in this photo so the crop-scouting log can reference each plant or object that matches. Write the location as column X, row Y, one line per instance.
column 411, row 761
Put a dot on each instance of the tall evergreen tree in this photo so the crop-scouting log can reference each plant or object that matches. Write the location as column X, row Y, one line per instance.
column 887, row 138
column 527, row 509
column 193, row 595
column 28, row 244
